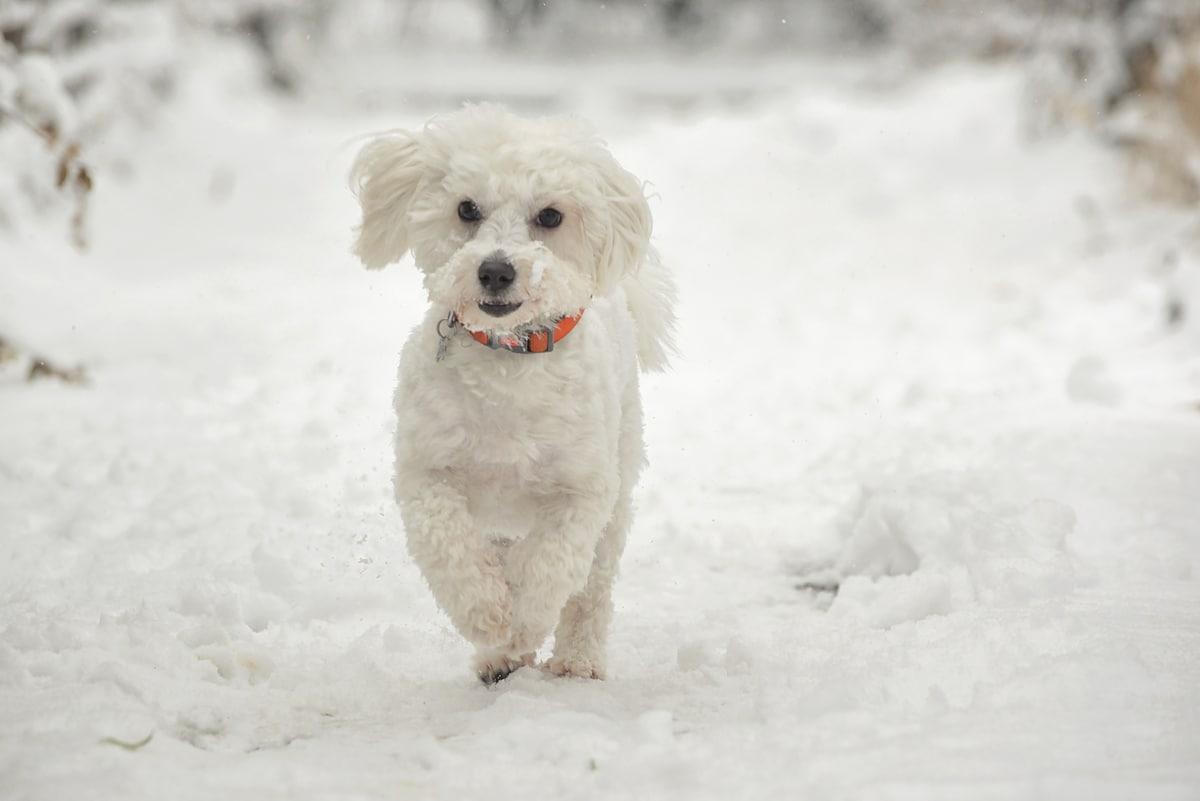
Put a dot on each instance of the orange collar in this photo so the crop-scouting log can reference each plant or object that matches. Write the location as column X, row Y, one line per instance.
column 535, row 340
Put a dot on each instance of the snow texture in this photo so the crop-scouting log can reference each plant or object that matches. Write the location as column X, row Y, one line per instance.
column 924, row 360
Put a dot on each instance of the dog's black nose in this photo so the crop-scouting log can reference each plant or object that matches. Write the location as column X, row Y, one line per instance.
column 496, row 275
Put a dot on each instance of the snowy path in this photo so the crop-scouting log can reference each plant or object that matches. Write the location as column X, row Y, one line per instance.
column 919, row 352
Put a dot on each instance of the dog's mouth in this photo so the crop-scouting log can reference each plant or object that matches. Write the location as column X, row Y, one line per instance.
column 498, row 309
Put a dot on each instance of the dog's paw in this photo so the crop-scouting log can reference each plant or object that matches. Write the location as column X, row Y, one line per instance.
column 487, row 624
column 487, row 619
column 574, row 666
column 493, row 666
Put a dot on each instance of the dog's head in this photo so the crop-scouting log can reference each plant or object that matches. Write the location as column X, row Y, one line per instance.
column 511, row 220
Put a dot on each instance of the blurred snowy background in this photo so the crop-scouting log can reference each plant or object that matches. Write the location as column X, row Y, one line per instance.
column 923, row 512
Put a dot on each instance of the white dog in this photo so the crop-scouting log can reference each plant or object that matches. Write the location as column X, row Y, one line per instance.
column 519, row 436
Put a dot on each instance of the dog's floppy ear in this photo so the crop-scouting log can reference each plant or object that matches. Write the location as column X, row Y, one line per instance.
column 385, row 176
column 629, row 225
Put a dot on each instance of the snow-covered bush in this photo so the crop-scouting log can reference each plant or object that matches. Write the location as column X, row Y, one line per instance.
column 1127, row 69
column 73, row 74
column 1155, row 114
column 284, row 34
column 1131, row 71
column 70, row 72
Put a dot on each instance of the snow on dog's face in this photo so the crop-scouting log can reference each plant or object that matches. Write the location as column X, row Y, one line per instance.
column 512, row 221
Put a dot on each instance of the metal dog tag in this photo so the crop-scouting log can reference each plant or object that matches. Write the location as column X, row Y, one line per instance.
column 444, row 336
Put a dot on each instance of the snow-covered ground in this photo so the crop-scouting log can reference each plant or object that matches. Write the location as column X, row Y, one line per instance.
column 923, row 357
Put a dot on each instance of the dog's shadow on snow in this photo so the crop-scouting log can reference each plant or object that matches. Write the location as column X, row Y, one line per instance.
column 465, row 707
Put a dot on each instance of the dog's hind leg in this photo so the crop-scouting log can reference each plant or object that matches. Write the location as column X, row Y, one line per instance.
column 553, row 562
column 580, row 641
column 582, row 634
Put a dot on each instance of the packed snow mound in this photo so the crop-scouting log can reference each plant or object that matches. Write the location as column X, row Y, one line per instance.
column 937, row 543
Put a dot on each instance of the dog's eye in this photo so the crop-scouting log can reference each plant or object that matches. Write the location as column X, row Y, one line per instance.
column 548, row 218
column 469, row 212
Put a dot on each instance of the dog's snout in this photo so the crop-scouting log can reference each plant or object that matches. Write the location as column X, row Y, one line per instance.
column 496, row 275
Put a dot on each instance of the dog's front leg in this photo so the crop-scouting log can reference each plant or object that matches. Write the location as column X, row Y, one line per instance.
column 552, row 563
column 464, row 570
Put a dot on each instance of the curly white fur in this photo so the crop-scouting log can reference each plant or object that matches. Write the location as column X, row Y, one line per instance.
column 514, row 471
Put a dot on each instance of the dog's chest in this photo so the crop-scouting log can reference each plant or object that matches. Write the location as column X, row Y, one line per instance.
column 502, row 505
column 517, row 428
column 512, row 459
column 521, row 433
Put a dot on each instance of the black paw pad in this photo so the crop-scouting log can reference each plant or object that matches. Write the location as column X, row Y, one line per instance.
column 494, row 675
